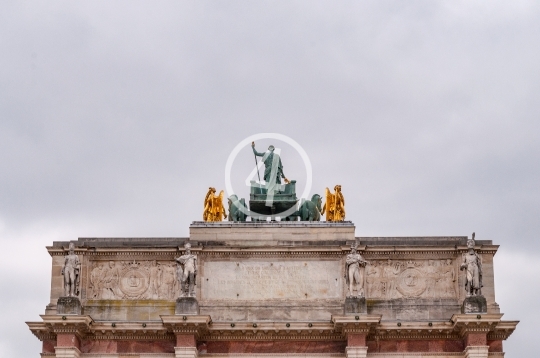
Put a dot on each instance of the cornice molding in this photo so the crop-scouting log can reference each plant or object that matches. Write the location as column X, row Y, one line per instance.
column 337, row 329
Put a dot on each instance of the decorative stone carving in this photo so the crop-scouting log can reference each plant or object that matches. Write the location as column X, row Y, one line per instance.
column 187, row 272
column 392, row 279
column 70, row 271
column 410, row 282
column 354, row 273
column 132, row 280
column 473, row 267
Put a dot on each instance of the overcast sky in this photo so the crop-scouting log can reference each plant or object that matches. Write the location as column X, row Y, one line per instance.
column 115, row 118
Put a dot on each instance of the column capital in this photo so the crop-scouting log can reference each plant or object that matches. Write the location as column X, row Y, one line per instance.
column 466, row 324
column 187, row 324
column 76, row 325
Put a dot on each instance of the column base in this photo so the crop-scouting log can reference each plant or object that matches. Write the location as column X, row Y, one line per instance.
column 185, row 352
column 67, row 352
column 356, row 352
column 476, row 352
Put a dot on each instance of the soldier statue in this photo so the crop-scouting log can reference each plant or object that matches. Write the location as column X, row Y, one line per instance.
column 473, row 266
column 70, row 271
column 187, row 272
column 354, row 273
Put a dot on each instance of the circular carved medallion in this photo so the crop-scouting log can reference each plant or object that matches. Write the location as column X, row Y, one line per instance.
column 134, row 282
column 411, row 283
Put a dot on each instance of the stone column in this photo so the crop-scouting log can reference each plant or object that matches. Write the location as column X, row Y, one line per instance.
column 474, row 330
column 69, row 330
column 67, row 345
column 356, row 345
column 355, row 329
column 186, row 329
column 186, row 346
column 476, row 344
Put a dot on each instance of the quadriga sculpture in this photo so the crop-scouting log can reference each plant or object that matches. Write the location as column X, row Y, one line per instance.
column 310, row 210
column 235, row 208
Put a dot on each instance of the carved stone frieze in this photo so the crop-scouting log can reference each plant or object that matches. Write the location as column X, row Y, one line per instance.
column 132, row 280
column 392, row 279
column 262, row 280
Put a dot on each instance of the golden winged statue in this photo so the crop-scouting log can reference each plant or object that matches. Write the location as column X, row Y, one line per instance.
column 213, row 206
column 334, row 205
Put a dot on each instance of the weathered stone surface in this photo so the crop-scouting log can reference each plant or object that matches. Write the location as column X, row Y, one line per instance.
column 128, row 310
column 262, row 280
column 273, row 310
column 127, row 346
column 413, row 309
column 273, row 288
column 187, row 306
column 355, row 305
column 474, row 304
column 275, row 347
column 270, row 233
column 68, row 305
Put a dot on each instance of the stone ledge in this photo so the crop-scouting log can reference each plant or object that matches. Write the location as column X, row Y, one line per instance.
column 271, row 224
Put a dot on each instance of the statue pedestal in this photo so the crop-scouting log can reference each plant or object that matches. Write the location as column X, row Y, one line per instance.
column 355, row 305
column 187, row 306
column 474, row 304
column 68, row 305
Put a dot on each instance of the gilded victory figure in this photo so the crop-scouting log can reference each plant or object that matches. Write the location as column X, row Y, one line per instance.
column 334, row 205
column 213, row 206
column 187, row 271
column 354, row 273
column 473, row 266
column 70, row 271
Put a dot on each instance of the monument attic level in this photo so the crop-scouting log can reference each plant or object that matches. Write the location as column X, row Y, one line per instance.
column 282, row 284
column 272, row 288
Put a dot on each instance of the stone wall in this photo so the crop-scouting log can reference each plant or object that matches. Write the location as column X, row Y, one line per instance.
column 272, row 288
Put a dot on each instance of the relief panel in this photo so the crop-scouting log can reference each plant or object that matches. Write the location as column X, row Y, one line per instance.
column 132, row 280
column 391, row 279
